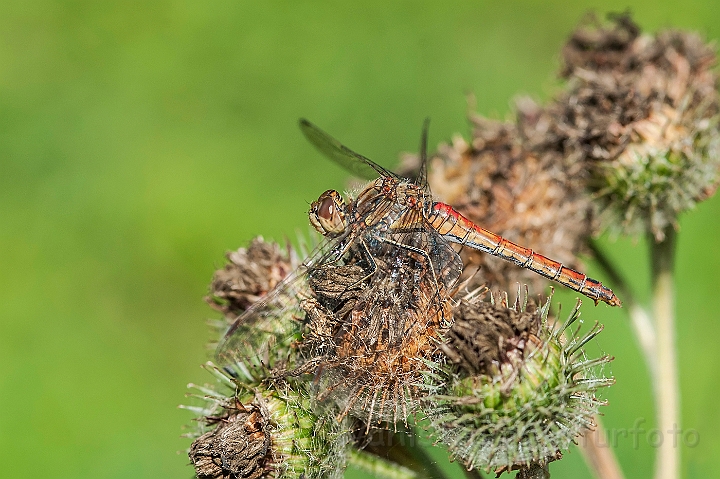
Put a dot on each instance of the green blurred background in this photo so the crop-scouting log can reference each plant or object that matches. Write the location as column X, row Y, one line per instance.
column 140, row 140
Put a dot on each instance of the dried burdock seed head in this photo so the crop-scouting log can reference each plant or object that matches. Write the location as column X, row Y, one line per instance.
column 516, row 389
column 529, row 198
column 593, row 46
column 267, row 431
column 239, row 446
column 367, row 346
column 249, row 274
column 641, row 114
column 671, row 164
column 484, row 337
column 257, row 351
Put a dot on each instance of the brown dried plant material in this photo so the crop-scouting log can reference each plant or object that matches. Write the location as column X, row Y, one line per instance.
column 367, row 345
column 640, row 115
column 514, row 390
column 529, row 198
column 536, row 470
column 271, row 429
column 593, row 47
column 250, row 273
column 484, row 336
column 239, row 447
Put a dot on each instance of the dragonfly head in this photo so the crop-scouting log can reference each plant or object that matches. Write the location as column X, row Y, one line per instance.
column 327, row 214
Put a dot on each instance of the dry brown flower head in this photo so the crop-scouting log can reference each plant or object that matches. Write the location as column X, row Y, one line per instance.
column 249, row 274
column 367, row 345
column 239, row 446
column 640, row 115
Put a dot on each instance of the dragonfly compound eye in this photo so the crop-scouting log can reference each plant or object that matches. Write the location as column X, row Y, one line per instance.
column 327, row 214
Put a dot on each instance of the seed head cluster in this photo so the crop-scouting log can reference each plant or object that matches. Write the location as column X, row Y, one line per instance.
column 515, row 391
column 484, row 374
column 640, row 113
column 628, row 144
column 355, row 344
column 268, row 429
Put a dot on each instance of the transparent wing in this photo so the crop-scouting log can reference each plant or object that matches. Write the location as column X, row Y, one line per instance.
column 422, row 180
column 353, row 162
column 414, row 231
column 263, row 333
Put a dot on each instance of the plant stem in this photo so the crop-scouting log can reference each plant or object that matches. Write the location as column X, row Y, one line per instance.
column 639, row 316
column 379, row 467
column 599, row 454
column 667, row 393
column 401, row 449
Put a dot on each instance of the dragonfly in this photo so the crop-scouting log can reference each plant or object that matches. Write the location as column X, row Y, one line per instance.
column 328, row 216
column 375, row 293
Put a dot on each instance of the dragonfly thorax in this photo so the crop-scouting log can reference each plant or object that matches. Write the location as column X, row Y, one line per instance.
column 404, row 193
column 327, row 214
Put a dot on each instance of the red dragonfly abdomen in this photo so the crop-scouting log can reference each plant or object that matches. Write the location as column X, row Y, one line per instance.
column 456, row 228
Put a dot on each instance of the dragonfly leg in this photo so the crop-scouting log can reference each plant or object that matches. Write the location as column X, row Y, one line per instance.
column 422, row 253
column 364, row 253
column 419, row 251
column 370, row 260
